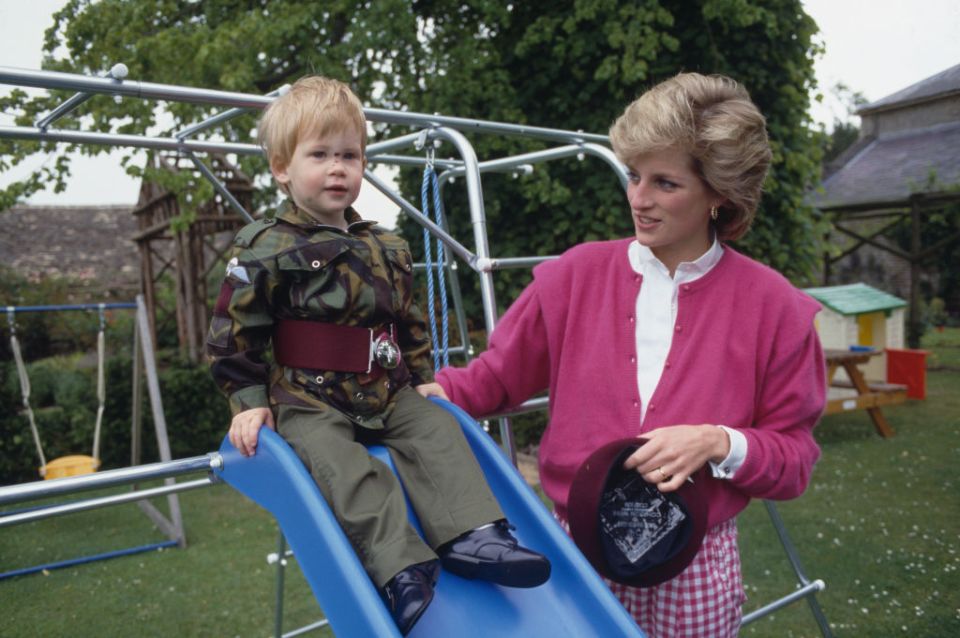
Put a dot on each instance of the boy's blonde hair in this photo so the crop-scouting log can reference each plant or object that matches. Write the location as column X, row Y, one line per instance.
column 314, row 105
column 713, row 120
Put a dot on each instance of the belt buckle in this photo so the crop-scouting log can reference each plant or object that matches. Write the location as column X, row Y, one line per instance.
column 386, row 353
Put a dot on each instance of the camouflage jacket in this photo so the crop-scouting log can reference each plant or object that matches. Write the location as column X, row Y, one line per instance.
column 290, row 267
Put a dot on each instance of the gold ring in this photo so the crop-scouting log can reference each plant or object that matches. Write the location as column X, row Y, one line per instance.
column 663, row 475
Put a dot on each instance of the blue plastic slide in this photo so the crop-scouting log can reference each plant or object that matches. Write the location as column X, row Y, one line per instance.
column 574, row 602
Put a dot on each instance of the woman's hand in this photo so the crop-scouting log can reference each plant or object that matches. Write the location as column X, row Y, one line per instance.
column 246, row 425
column 432, row 390
column 671, row 454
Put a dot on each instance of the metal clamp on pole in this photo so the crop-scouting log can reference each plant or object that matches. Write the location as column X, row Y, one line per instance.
column 118, row 72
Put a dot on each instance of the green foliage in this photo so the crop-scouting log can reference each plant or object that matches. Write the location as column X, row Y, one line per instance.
column 844, row 131
column 572, row 64
column 64, row 401
column 843, row 135
column 197, row 414
column 937, row 312
column 576, row 64
column 49, row 333
column 219, row 44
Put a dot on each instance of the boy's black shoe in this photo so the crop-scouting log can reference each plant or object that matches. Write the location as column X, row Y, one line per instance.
column 492, row 553
column 409, row 592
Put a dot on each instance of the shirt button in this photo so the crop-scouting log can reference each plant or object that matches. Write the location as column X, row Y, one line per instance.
column 358, row 396
column 651, row 407
column 315, row 263
column 636, row 404
column 636, row 278
column 319, row 380
column 679, row 328
column 630, row 318
column 666, row 365
column 633, row 359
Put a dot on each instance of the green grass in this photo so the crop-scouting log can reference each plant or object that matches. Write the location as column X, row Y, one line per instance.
column 880, row 525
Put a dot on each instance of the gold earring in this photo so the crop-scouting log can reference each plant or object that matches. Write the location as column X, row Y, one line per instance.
column 714, row 213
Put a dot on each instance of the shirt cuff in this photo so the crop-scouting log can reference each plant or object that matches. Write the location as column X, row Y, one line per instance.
column 252, row 396
column 726, row 468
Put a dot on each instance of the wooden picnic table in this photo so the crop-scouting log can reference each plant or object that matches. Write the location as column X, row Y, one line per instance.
column 870, row 396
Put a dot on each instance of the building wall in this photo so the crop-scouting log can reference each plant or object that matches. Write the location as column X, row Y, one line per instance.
column 911, row 117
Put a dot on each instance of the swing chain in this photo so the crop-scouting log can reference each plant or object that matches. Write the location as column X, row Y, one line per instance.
column 11, row 321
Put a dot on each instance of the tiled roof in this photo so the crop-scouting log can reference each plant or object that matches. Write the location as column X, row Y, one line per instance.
column 87, row 243
column 855, row 299
column 945, row 82
column 892, row 167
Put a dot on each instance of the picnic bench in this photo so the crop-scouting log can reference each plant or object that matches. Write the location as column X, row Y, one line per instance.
column 869, row 396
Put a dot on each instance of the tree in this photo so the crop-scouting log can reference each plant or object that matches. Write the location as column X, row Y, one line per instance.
column 844, row 131
column 570, row 64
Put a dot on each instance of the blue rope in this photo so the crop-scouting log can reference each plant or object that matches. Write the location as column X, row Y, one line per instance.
column 430, row 180
column 441, row 262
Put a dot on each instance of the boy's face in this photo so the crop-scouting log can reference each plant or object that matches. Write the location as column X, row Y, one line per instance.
column 324, row 174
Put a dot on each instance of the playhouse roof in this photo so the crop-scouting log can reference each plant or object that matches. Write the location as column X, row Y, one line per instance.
column 855, row 299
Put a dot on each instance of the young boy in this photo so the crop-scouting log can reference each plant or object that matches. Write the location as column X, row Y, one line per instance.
column 330, row 294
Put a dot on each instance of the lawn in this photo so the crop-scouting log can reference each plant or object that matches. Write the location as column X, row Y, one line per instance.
column 880, row 525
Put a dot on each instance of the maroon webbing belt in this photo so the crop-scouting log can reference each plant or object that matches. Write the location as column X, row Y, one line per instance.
column 322, row 346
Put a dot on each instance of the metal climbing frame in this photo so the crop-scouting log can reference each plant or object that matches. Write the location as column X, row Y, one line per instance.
column 144, row 366
column 428, row 129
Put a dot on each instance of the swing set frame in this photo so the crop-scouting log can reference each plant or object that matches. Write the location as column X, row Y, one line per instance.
column 144, row 369
column 428, row 129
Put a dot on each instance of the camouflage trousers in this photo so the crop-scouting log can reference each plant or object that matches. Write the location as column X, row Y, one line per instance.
column 443, row 480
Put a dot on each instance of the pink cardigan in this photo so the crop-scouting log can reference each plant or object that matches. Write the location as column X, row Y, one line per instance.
column 745, row 354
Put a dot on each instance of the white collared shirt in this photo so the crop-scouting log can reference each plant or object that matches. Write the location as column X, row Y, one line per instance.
column 656, row 313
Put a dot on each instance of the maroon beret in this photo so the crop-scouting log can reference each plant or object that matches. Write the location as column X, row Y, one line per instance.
column 630, row 531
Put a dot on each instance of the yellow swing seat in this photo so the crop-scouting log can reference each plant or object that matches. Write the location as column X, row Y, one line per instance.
column 73, row 465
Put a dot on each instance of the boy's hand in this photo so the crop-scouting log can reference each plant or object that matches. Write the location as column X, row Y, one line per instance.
column 432, row 390
column 246, row 425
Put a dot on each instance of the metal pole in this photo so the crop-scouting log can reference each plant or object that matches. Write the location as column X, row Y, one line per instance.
column 134, row 141
column 95, row 503
column 223, row 117
column 803, row 592
column 117, row 73
column 149, row 90
column 220, row 188
column 108, row 478
column 501, row 263
column 478, row 219
column 513, row 162
column 67, row 307
column 421, row 219
column 410, row 160
column 281, row 568
column 806, row 585
column 402, row 141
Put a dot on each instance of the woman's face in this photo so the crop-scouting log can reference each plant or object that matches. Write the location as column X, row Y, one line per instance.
column 670, row 205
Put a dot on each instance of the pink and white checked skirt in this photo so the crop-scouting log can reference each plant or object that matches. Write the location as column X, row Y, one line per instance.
column 704, row 601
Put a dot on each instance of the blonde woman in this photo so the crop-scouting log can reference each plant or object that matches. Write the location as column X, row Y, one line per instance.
column 674, row 336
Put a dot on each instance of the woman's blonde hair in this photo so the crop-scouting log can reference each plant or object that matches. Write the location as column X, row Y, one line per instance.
column 713, row 120
column 313, row 105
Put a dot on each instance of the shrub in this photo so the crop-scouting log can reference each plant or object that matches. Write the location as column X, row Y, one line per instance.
column 64, row 401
